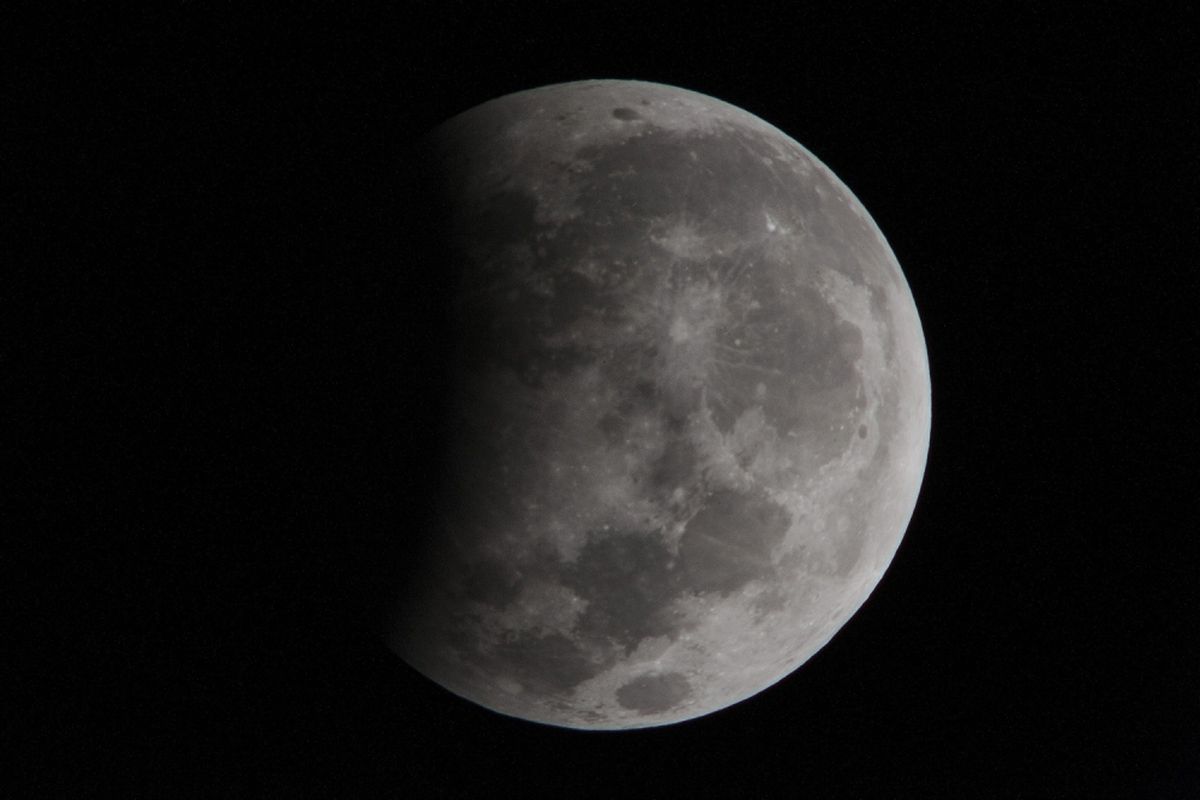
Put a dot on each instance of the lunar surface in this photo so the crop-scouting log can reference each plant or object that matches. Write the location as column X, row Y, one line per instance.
column 690, row 408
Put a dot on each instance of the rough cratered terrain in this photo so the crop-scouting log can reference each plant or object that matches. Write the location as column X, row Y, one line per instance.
column 690, row 410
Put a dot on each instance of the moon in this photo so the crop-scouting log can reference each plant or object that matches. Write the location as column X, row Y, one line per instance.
column 689, row 415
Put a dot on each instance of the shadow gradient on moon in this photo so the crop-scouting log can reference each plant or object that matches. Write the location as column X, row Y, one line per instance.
column 687, row 408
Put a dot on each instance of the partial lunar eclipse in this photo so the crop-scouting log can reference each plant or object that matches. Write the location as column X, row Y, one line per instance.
column 690, row 415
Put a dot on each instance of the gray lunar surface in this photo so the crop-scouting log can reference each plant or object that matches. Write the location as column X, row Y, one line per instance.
column 690, row 415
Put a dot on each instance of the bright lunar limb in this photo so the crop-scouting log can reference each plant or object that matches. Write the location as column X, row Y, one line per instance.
column 690, row 408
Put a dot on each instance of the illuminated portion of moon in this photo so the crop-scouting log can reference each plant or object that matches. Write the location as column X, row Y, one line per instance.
column 691, row 408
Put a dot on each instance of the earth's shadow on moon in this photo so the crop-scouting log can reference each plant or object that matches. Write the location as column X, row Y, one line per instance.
column 413, row 426
column 659, row 301
column 370, row 417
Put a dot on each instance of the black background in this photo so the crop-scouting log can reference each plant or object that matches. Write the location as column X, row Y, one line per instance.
column 236, row 386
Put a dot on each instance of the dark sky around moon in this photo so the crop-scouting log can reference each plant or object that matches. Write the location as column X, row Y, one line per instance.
column 220, row 209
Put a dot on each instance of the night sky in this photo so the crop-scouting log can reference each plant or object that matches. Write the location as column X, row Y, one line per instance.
column 239, row 394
